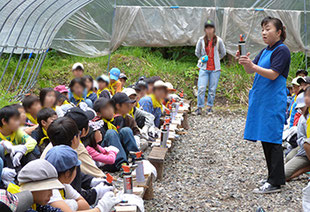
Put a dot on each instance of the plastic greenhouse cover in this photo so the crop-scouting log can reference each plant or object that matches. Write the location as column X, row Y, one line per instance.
column 32, row 24
column 162, row 23
column 96, row 27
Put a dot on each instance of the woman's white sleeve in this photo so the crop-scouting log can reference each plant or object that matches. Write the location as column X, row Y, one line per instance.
column 222, row 49
column 198, row 49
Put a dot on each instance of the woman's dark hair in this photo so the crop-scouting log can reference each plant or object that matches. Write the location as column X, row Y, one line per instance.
column 29, row 100
column 43, row 94
column 214, row 38
column 7, row 112
column 277, row 23
column 79, row 81
column 90, row 140
column 71, row 170
column 62, row 131
column 307, row 111
column 44, row 114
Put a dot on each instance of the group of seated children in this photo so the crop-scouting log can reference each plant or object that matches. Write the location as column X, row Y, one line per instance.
column 297, row 132
column 55, row 147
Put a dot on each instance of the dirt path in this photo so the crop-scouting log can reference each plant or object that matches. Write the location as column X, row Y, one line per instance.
column 213, row 169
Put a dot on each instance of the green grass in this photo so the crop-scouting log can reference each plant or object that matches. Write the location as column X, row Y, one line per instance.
column 175, row 64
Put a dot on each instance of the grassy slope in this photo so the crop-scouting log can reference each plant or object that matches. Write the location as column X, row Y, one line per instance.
column 180, row 69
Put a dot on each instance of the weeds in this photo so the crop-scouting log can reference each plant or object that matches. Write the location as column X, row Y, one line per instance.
column 174, row 64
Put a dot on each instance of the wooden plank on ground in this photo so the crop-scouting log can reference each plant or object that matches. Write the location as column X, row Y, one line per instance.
column 157, row 158
column 146, row 187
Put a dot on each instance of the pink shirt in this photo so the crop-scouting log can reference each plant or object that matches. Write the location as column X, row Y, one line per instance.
column 103, row 157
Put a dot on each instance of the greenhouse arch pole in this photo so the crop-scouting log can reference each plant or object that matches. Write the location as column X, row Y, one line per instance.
column 114, row 10
column 306, row 38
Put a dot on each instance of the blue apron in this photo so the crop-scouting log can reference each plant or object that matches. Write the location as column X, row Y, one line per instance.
column 267, row 106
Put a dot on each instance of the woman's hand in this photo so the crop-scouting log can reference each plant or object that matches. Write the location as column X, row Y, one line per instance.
column 238, row 55
column 246, row 61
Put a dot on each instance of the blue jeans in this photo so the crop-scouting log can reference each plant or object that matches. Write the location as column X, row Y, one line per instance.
column 207, row 77
column 124, row 141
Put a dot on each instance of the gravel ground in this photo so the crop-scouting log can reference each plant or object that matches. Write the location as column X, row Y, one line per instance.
column 213, row 169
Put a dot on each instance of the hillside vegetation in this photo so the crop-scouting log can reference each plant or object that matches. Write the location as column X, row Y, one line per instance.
column 176, row 64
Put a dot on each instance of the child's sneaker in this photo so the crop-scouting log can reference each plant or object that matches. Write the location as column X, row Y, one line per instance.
column 267, row 188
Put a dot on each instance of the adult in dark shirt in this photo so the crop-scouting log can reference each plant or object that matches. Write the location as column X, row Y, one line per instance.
column 267, row 100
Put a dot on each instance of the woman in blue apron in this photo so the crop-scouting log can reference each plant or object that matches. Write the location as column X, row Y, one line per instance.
column 267, row 101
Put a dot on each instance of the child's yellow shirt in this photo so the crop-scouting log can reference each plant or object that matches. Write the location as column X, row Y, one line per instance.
column 20, row 137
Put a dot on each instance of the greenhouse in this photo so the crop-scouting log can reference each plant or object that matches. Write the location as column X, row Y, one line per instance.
column 154, row 105
column 96, row 28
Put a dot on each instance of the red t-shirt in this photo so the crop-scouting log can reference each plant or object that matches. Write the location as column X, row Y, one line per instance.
column 210, row 52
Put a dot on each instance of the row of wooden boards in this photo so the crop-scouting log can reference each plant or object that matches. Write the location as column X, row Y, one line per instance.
column 157, row 157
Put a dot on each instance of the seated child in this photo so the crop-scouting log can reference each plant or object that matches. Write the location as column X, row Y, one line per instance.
column 150, row 83
column 81, row 119
column 78, row 70
column 45, row 117
column 300, row 103
column 66, row 161
column 38, row 178
column 144, row 120
column 122, row 106
column 304, row 83
column 63, row 102
column 301, row 73
column 103, row 87
column 289, row 92
column 123, row 78
column 102, row 156
column 297, row 159
column 115, row 85
column 171, row 94
column 23, row 119
column 78, row 92
column 15, row 141
column 89, row 82
column 32, row 106
column 63, row 90
column 153, row 102
column 64, row 131
column 123, row 139
column 48, row 100
column 291, row 110
column 141, row 89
